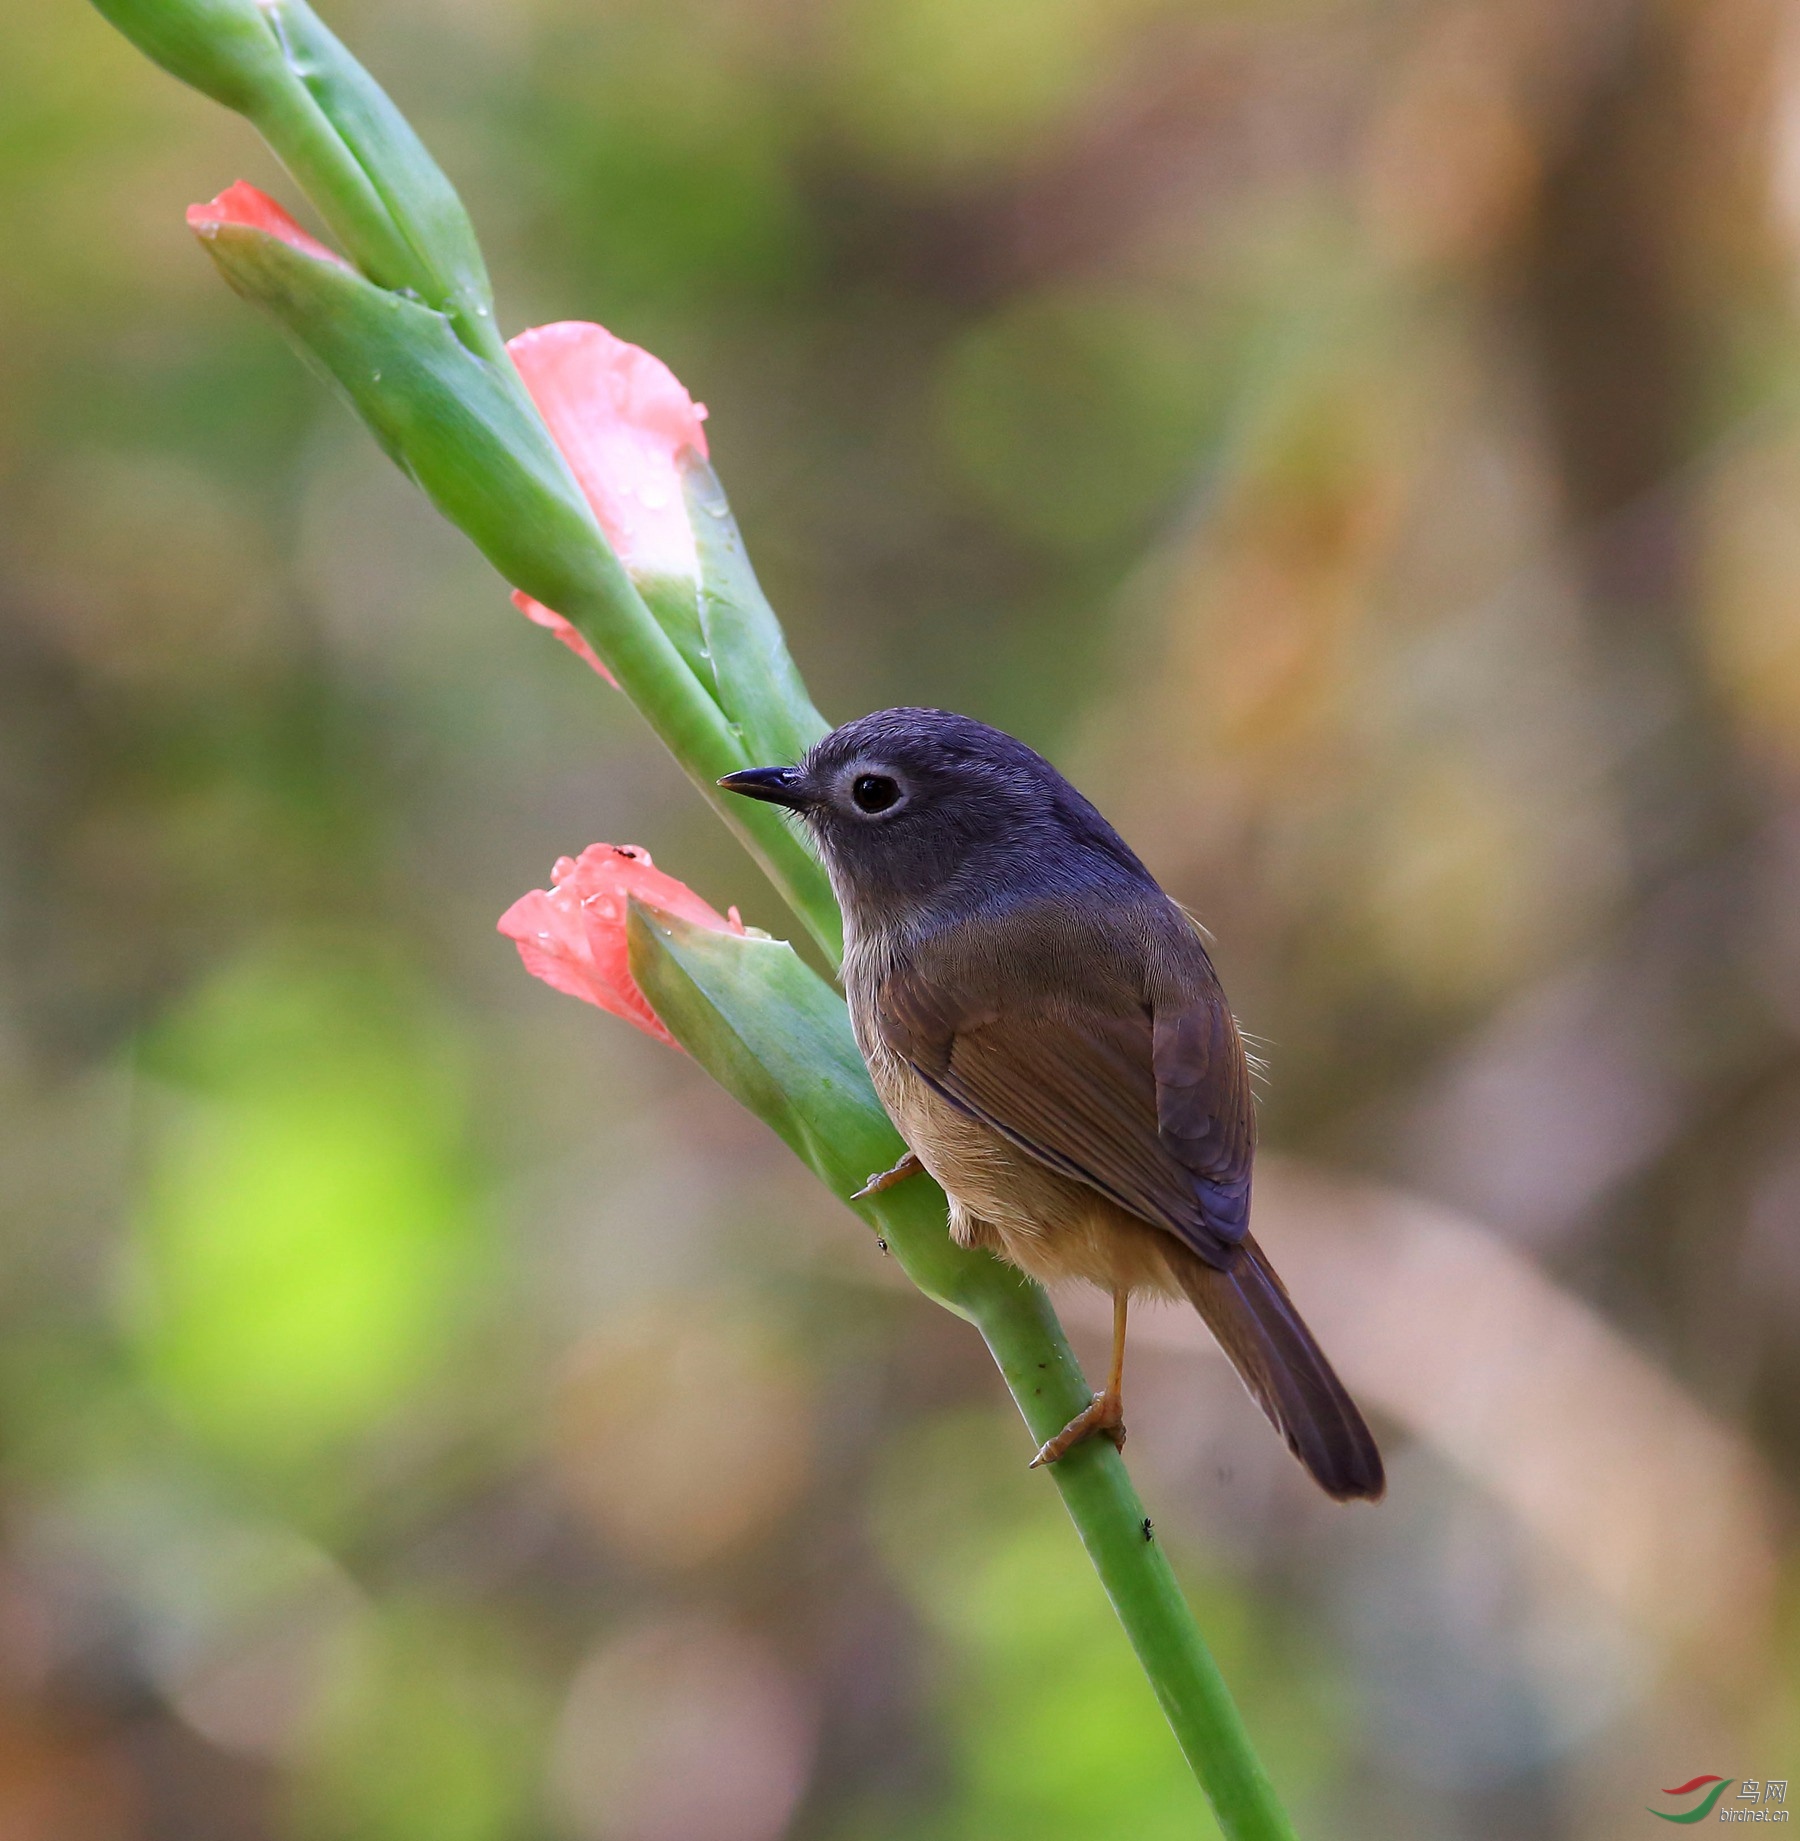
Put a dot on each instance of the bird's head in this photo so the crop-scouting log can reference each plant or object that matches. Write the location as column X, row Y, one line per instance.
column 914, row 807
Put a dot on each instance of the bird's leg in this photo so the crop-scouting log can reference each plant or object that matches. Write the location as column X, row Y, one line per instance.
column 1107, row 1412
column 908, row 1165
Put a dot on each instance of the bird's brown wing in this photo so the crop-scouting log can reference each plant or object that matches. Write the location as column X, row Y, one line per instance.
column 1145, row 1098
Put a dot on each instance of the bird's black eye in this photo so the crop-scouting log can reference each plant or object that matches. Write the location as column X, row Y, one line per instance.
column 874, row 792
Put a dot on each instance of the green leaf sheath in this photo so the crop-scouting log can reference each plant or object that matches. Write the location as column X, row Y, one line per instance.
column 443, row 257
column 759, row 686
column 333, row 127
column 462, row 428
column 777, row 1037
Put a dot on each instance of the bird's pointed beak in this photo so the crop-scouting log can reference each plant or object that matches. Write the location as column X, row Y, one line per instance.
column 777, row 785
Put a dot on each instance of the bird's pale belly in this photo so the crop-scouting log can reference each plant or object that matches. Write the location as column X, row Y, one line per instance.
column 1003, row 1199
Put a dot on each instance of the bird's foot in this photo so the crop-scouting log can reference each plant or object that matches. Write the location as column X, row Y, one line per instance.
column 1106, row 1416
column 908, row 1165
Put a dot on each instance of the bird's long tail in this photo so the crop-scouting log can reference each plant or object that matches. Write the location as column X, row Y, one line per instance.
column 1248, row 1309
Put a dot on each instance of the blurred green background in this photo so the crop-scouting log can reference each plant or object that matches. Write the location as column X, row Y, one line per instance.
column 1361, row 443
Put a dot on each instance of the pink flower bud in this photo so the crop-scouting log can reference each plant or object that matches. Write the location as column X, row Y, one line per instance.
column 572, row 935
column 243, row 207
column 622, row 422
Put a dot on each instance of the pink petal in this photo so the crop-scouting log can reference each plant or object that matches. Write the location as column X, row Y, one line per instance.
column 572, row 934
column 564, row 630
column 243, row 207
column 621, row 419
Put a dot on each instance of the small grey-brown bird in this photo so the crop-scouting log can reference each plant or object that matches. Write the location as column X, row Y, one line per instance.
column 1047, row 1031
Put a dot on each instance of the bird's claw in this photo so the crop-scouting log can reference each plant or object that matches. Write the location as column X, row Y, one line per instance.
column 1105, row 1417
column 908, row 1165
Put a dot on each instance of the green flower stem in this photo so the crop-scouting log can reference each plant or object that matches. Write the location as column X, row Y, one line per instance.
column 1021, row 1330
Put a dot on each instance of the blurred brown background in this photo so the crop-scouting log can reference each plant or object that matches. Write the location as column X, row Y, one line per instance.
column 1361, row 443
